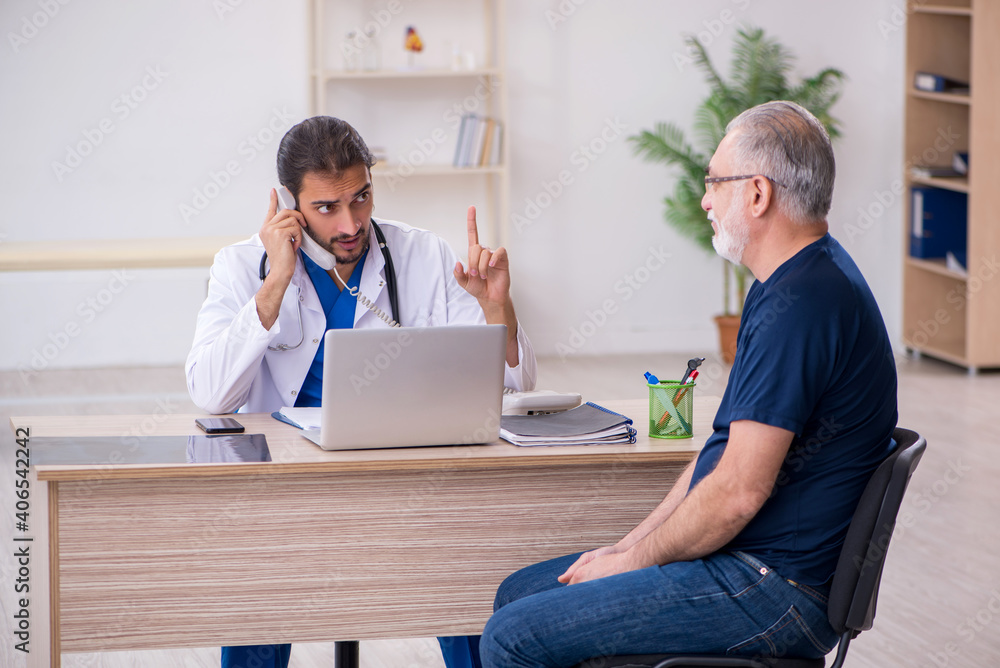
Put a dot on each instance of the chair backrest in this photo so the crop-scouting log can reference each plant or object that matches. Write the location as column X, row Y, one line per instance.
column 859, row 570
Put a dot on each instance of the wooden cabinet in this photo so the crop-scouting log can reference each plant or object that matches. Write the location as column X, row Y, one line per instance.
column 410, row 110
column 950, row 314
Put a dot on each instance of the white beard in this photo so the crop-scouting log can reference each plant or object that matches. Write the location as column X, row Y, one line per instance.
column 730, row 243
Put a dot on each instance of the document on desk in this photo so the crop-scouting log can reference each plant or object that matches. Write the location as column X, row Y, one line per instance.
column 303, row 417
column 588, row 424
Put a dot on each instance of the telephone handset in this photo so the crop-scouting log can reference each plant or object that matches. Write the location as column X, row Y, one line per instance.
column 328, row 260
column 316, row 253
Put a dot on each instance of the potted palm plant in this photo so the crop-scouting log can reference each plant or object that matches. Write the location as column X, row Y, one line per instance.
column 759, row 73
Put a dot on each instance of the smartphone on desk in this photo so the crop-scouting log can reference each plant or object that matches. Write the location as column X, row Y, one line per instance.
column 219, row 425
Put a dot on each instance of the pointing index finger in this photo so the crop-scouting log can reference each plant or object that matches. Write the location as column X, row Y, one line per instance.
column 473, row 230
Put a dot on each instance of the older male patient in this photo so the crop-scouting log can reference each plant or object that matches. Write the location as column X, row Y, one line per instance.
column 738, row 557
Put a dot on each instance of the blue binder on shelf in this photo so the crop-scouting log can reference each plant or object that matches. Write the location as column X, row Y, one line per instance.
column 938, row 223
column 937, row 83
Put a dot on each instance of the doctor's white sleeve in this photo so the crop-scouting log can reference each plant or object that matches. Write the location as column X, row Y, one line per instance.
column 229, row 343
column 522, row 377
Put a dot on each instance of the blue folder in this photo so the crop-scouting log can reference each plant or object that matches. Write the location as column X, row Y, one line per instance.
column 939, row 223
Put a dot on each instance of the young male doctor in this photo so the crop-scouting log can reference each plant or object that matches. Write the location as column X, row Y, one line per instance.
column 258, row 342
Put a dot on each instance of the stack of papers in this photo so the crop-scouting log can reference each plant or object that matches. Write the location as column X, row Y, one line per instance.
column 588, row 424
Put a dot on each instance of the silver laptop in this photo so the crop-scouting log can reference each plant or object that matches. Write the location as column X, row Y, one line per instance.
column 410, row 386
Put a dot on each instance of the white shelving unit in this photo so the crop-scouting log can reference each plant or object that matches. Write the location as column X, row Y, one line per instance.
column 411, row 114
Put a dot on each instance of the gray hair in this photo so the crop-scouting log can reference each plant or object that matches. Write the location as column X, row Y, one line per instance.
column 786, row 143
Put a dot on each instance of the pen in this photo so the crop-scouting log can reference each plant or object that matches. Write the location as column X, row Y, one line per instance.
column 680, row 395
column 693, row 364
column 651, row 379
column 663, row 420
column 666, row 418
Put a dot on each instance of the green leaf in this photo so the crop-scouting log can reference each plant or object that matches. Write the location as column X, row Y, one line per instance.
column 667, row 144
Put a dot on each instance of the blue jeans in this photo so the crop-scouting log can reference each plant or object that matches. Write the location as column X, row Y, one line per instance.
column 726, row 603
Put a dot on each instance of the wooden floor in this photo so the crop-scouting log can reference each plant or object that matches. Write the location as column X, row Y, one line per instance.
column 940, row 600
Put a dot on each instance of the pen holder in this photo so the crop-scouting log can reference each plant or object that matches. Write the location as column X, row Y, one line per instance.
column 671, row 406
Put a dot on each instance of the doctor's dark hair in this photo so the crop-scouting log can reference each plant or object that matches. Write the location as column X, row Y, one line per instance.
column 319, row 144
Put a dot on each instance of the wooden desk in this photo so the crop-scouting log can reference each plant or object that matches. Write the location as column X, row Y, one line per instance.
column 314, row 545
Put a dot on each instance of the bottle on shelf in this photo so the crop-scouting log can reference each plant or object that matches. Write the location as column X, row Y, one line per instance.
column 372, row 54
column 351, row 52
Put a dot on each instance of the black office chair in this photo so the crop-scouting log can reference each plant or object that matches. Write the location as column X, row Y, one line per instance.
column 855, row 582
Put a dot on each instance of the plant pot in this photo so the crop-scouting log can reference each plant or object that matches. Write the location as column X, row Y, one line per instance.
column 729, row 327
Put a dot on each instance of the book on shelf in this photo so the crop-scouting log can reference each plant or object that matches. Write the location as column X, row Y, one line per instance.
column 588, row 424
column 478, row 137
column 952, row 262
column 937, row 83
column 478, row 143
column 487, row 144
column 935, row 172
column 495, row 155
column 960, row 162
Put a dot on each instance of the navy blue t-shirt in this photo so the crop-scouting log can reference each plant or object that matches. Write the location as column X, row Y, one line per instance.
column 813, row 357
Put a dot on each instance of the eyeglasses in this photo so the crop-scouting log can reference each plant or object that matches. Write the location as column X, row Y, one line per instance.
column 712, row 180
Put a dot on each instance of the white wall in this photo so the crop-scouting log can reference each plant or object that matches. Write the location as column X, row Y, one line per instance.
column 209, row 88
column 623, row 62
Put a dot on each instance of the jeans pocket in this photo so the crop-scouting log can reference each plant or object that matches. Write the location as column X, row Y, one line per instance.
column 790, row 636
column 816, row 596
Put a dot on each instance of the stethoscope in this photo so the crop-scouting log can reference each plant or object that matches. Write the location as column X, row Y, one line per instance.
column 390, row 284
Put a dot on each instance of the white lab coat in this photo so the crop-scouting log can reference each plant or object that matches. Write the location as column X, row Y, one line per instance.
column 231, row 366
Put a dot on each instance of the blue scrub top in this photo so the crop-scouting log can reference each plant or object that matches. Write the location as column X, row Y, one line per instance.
column 339, row 306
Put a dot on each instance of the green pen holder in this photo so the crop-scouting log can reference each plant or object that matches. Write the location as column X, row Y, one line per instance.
column 671, row 409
